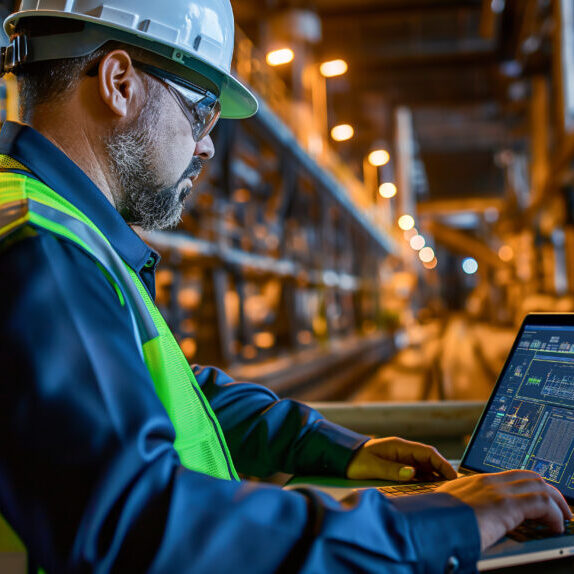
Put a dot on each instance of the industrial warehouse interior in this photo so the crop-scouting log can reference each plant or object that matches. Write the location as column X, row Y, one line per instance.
column 395, row 265
column 371, row 240
column 402, row 199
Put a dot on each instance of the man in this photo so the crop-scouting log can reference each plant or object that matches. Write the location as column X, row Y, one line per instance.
column 113, row 456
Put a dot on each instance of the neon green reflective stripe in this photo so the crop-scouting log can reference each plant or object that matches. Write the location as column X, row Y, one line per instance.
column 11, row 196
column 58, row 229
column 18, row 187
column 46, row 196
column 174, row 379
column 199, row 442
column 9, row 541
column 113, row 284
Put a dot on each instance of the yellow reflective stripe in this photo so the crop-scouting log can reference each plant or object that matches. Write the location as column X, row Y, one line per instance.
column 61, row 205
column 12, row 215
column 16, row 186
column 11, row 196
column 11, row 226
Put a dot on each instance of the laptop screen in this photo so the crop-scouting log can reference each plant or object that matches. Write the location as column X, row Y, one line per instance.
column 529, row 420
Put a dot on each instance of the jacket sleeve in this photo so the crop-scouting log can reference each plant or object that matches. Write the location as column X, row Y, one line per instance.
column 267, row 435
column 90, row 480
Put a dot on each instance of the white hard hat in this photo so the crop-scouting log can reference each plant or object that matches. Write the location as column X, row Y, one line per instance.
column 196, row 34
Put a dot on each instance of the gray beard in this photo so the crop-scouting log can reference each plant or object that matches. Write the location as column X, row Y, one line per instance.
column 142, row 199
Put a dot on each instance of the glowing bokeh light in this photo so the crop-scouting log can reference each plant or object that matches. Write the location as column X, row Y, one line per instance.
column 431, row 264
column 426, row 254
column 506, row 253
column 470, row 266
column 388, row 190
column 280, row 57
column 379, row 157
column 342, row 133
column 406, row 222
column 334, row 68
column 417, row 242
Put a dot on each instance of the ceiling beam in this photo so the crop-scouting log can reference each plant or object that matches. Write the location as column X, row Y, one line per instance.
column 435, row 54
column 402, row 8
column 454, row 206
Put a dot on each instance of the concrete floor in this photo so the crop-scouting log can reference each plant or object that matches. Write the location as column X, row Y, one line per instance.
column 454, row 360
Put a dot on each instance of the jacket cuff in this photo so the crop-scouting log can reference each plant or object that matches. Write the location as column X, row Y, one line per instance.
column 329, row 449
column 456, row 547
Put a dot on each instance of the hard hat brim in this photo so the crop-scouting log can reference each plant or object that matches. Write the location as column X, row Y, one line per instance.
column 237, row 101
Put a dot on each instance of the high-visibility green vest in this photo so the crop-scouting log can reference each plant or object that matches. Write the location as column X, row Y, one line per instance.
column 27, row 204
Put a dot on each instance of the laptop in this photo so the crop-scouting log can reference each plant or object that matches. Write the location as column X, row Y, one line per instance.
column 528, row 423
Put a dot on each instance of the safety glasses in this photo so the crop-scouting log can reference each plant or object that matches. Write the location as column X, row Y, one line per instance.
column 200, row 106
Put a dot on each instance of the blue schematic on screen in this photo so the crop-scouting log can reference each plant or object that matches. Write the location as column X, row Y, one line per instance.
column 530, row 420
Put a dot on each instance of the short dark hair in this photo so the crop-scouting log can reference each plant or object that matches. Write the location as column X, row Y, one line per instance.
column 49, row 80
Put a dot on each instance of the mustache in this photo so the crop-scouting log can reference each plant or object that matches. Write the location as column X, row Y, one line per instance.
column 194, row 168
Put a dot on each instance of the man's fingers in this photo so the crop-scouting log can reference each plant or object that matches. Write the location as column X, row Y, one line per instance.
column 562, row 504
column 431, row 458
column 424, row 458
column 543, row 502
column 389, row 455
column 529, row 482
column 502, row 501
column 390, row 470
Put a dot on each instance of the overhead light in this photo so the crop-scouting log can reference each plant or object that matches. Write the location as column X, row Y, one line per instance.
column 431, row 264
column 333, row 68
column 342, row 132
column 264, row 340
column 498, row 6
column 426, row 254
column 506, row 253
column 470, row 265
column 388, row 190
column 280, row 57
column 406, row 222
column 511, row 68
column 417, row 242
column 379, row 157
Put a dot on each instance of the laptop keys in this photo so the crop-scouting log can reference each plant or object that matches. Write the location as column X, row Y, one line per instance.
column 409, row 489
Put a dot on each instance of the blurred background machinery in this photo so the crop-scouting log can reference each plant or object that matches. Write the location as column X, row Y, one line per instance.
column 404, row 196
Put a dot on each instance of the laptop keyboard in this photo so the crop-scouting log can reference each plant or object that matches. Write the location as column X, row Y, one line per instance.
column 408, row 489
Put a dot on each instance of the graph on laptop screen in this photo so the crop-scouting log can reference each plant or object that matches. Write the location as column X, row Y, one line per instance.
column 529, row 423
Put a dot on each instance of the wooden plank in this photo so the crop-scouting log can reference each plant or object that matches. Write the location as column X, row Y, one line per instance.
column 410, row 420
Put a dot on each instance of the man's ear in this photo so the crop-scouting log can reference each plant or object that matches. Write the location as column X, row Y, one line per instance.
column 119, row 83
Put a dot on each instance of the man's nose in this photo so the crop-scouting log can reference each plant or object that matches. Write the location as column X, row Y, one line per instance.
column 205, row 148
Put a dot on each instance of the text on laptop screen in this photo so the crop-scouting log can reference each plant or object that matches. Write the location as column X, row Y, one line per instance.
column 529, row 423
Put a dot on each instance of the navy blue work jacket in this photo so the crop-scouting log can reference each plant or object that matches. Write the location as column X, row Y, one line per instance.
column 89, row 477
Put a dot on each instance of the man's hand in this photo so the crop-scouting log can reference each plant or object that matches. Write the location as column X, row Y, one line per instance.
column 398, row 459
column 502, row 501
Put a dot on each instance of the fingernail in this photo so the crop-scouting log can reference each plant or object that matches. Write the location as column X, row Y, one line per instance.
column 406, row 473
